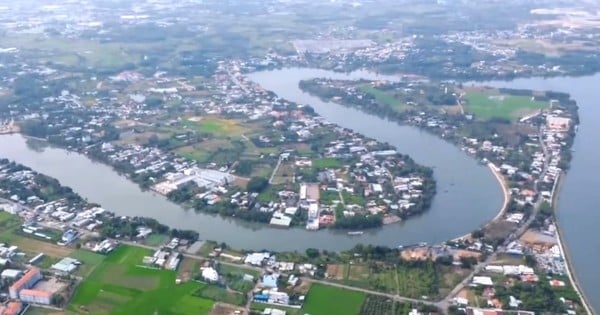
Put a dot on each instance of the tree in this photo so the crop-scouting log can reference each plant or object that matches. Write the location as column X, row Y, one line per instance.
column 244, row 167
column 57, row 299
column 257, row 184
column 312, row 253
column 468, row 262
column 477, row 234
column 35, row 128
column 530, row 260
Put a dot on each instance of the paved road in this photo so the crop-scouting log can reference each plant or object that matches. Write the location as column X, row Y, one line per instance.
column 275, row 170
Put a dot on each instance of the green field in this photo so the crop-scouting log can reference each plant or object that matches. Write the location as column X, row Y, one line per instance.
column 326, row 163
column 74, row 52
column 385, row 98
column 485, row 105
column 326, row 300
column 8, row 224
column 155, row 239
column 217, row 293
column 118, row 285
column 89, row 261
column 218, row 127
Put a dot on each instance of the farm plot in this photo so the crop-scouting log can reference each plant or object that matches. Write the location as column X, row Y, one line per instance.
column 119, row 285
column 320, row 297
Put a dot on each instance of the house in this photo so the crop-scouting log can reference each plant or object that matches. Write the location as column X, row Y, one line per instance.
column 514, row 302
column 65, row 266
column 481, row 311
column 209, row 274
column 461, row 301
column 256, row 259
column 280, row 220
column 485, row 281
column 273, row 311
column 11, row 274
column 556, row 123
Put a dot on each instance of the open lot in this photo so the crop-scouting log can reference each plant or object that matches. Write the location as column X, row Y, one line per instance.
column 8, row 223
column 88, row 259
column 415, row 282
column 73, row 52
column 43, row 311
column 33, row 246
column 202, row 151
column 487, row 104
column 119, row 285
column 326, row 163
column 288, row 310
column 225, row 309
column 216, row 126
column 326, row 300
column 385, row 98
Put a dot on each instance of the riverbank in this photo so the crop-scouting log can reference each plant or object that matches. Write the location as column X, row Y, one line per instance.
column 505, row 191
column 564, row 251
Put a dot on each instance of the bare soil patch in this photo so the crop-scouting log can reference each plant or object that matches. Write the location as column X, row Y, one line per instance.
column 35, row 247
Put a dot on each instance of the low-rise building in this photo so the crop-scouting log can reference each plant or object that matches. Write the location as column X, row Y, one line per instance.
column 11, row 308
column 27, row 281
column 36, row 296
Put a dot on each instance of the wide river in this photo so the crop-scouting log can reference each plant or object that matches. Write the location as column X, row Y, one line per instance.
column 468, row 194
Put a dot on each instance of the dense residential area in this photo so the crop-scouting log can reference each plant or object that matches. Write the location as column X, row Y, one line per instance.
column 336, row 216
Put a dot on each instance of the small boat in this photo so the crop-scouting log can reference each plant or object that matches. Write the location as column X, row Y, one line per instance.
column 355, row 233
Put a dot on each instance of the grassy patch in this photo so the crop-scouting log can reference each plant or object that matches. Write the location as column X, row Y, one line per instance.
column 118, row 285
column 325, row 300
column 89, row 261
column 353, row 199
column 75, row 52
column 228, row 269
column 216, row 126
column 217, row 293
column 385, row 98
column 8, row 224
column 487, row 105
column 326, row 163
column 155, row 239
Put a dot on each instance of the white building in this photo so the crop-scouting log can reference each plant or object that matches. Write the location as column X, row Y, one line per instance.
column 209, row 274
column 11, row 274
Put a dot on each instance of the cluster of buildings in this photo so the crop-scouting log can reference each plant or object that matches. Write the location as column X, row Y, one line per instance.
column 204, row 178
column 163, row 258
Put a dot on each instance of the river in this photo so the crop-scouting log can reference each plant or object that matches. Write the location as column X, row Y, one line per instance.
column 468, row 194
